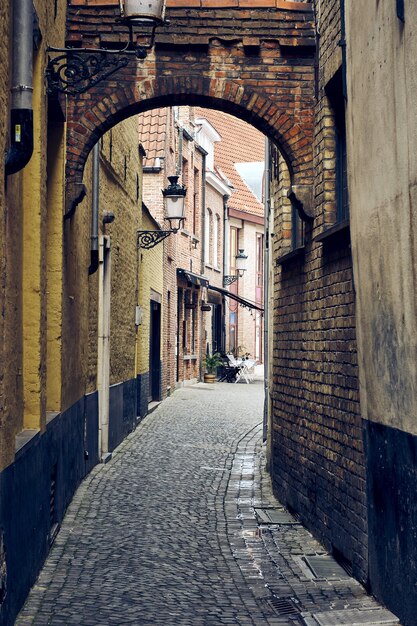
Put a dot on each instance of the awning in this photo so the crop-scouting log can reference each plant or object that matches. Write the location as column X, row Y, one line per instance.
column 242, row 301
column 194, row 279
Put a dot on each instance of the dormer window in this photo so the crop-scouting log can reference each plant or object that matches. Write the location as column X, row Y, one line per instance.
column 206, row 137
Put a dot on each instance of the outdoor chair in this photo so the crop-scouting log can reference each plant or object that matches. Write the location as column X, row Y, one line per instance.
column 245, row 369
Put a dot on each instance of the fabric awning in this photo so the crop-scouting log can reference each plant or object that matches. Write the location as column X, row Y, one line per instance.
column 194, row 279
column 245, row 303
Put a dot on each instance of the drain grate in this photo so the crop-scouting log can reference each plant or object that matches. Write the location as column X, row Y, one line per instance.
column 284, row 606
column 324, row 566
column 274, row 516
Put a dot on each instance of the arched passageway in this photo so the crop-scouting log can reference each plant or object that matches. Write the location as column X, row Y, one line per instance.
column 253, row 62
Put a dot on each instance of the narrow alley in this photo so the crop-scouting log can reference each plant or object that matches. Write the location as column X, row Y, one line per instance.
column 180, row 527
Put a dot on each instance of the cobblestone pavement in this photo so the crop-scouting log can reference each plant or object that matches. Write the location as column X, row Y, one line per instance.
column 180, row 527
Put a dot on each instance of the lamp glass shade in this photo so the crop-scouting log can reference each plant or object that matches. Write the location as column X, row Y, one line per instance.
column 153, row 10
column 241, row 261
column 174, row 207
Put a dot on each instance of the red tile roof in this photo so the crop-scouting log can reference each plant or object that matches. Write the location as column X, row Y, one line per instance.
column 241, row 143
column 152, row 133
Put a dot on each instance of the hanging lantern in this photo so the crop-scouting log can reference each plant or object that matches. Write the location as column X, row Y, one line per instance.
column 241, row 262
column 174, row 196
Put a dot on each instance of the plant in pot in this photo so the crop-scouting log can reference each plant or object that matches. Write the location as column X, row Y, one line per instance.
column 211, row 362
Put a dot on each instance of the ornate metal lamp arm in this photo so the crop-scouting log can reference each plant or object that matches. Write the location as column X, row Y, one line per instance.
column 148, row 239
column 228, row 280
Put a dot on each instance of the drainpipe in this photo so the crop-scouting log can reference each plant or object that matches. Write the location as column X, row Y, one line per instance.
column 95, row 210
column 180, row 149
column 267, row 202
column 225, row 257
column 203, row 248
column 203, row 213
column 342, row 44
column 21, row 115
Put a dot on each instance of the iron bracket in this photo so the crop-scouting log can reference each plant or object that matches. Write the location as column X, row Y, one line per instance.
column 148, row 239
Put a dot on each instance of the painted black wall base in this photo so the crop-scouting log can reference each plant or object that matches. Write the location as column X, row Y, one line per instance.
column 35, row 492
column 122, row 416
column 142, row 394
column 391, row 457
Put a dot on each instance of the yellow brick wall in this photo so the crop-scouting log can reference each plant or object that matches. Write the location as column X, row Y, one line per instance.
column 150, row 277
column 119, row 192
column 31, row 217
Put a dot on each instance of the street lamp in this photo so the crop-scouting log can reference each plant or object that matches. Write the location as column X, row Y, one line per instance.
column 153, row 10
column 174, row 204
column 240, row 268
column 76, row 70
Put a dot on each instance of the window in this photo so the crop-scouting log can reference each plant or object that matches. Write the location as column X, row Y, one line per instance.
column 342, row 198
column 334, row 91
column 259, row 287
column 215, row 239
column 233, row 249
column 185, row 181
column 297, row 229
column 207, row 236
column 217, row 250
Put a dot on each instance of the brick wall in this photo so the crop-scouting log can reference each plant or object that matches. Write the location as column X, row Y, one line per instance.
column 11, row 401
column 317, row 447
column 233, row 67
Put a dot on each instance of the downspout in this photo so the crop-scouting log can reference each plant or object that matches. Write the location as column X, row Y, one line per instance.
column 203, row 248
column 95, row 210
column 225, row 258
column 180, row 149
column 342, row 44
column 203, row 214
column 267, row 203
column 21, row 115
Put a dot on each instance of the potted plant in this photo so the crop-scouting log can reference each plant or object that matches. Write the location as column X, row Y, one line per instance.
column 211, row 362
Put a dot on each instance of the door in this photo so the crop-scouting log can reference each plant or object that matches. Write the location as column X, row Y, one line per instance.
column 216, row 329
column 155, row 352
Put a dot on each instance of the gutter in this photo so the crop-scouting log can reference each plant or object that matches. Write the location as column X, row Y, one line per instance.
column 21, row 114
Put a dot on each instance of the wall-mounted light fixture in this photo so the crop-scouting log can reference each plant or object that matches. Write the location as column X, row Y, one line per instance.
column 174, row 200
column 75, row 70
column 240, row 269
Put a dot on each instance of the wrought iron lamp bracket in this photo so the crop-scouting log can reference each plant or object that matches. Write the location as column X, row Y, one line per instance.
column 148, row 239
column 75, row 70
column 228, row 280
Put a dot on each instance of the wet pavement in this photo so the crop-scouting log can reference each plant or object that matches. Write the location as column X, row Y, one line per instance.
column 181, row 528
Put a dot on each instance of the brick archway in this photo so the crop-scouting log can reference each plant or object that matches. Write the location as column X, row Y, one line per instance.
column 255, row 62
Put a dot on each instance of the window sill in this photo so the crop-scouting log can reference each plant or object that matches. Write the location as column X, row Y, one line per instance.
column 190, row 357
column 337, row 234
column 297, row 253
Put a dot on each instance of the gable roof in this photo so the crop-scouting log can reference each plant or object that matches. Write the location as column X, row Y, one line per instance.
column 240, row 143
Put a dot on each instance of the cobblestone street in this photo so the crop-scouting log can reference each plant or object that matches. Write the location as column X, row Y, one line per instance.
column 180, row 527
